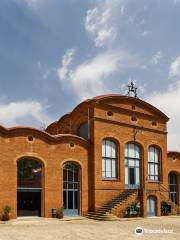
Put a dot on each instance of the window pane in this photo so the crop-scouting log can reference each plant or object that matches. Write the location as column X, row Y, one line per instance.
column 103, row 148
column 113, row 150
column 137, row 176
column 108, row 165
column 113, row 168
column 137, row 163
column 156, row 155
column 156, row 178
column 151, row 154
column 131, row 152
column 103, row 165
column 108, row 174
column 137, row 151
column 131, row 163
column 152, row 169
column 126, row 150
column 108, row 148
column 126, row 175
column 156, row 169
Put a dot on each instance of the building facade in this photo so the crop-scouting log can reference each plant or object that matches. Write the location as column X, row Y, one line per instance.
column 108, row 155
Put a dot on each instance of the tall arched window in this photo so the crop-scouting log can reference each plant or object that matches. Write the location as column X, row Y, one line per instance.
column 132, row 165
column 153, row 163
column 109, row 159
column 173, row 187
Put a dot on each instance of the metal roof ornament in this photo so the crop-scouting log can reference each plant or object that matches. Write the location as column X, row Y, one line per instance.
column 132, row 90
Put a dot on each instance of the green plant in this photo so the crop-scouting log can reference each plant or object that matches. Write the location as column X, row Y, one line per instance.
column 6, row 213
column 165, row 208
column 60, row 212
column 133, row 210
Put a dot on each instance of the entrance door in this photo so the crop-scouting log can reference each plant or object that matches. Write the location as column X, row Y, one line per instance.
column 132, row 166
column 71, row 189
column 29, row 187
column 28, row 203
column 151, row 206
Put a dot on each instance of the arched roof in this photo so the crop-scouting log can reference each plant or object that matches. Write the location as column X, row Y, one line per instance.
column 25, row 131
column 173, row 153
column 107, row 98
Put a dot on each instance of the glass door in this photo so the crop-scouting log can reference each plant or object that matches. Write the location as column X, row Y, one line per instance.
column 71, row 189
column 151, row 206
column 132, row 166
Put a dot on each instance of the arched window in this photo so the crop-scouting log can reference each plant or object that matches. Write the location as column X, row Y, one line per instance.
column 173, row 187
column 83, row 130
column 153, row 163
column 109, row 159
column 132, row 165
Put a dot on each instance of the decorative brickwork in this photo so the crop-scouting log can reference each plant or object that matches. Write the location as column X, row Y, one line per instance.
column 122, row 119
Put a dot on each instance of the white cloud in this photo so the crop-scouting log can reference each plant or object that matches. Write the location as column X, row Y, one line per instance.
column 66, row 61
column 13, row 113
column 32, row 3
column 146, row 33
column 156, row 58
column 168, row 102
column 92, row 76
column 174, row 70
column 99, row 22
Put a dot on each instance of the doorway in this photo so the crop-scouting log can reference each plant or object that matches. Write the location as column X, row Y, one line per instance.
column 29, row 173
column 132, row 166
column 71, row 193
column 151, row 206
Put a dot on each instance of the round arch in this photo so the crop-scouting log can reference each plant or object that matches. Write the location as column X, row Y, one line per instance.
column 71, row 187
column 173, row 183
column 133, row 164
column 110, row 157
column 154, row 162
column 151, row 205
column 30, row 186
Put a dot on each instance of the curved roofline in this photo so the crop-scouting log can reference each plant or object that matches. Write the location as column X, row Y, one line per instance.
column 46, row 135
column 109, row 97
column 173, row 153
column 119, row 96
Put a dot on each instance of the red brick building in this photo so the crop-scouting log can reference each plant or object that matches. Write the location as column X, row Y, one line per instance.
column 109, row 155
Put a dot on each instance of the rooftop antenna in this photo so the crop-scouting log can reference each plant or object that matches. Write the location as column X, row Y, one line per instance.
column 132, row 90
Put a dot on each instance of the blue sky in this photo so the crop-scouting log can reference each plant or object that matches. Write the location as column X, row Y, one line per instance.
column 56, row 53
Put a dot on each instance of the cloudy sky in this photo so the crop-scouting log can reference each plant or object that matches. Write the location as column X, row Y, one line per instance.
column 55, row 53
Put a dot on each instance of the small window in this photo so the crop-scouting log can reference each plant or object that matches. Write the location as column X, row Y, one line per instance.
column 30, row 138
column 133, row 107
column 134, row 119
column 154, row 123
column 110, row 114
column 71, row 145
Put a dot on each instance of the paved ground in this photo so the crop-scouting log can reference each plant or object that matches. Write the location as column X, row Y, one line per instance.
column 53, row 229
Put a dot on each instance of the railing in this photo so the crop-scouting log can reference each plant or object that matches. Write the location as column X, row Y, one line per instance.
column 163, row 189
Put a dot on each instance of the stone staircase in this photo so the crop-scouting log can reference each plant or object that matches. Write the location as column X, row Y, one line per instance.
column 112, row 210
column 174, row 207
